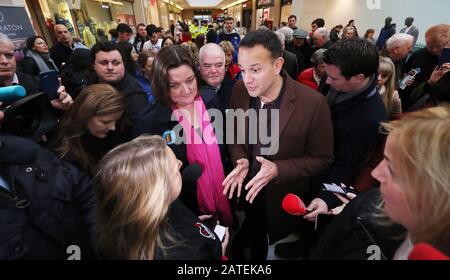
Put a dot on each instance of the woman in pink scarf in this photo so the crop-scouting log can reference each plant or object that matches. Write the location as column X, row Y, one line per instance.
column 182, row 116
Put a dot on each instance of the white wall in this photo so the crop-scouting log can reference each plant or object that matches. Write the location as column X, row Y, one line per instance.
column 425, row 13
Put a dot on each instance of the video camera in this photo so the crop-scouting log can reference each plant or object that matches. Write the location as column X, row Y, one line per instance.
column 26, row 116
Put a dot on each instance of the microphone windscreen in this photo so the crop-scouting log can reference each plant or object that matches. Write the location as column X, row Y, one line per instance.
column 293, row 205
column 424, row 251
column 12, row 93
column 191, row 173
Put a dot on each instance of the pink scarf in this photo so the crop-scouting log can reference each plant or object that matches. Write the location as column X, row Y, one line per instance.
column 205, row 152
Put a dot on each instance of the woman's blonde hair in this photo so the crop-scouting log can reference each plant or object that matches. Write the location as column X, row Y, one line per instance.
column 94, row 100
column 421, row 160
column 133, row 192
column 387, row 68
column 227, row 47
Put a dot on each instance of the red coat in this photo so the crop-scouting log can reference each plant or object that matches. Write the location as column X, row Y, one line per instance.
column 233, row 70
column 186, row 37
column 307, row 78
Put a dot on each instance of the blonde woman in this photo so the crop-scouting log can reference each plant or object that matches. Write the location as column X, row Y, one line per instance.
column 414, row 193
column 138, row 214
column 386, row 83
column 232, row 69
column 415, row 179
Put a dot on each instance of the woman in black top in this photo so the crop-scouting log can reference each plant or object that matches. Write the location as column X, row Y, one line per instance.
column 138, row 214
column 37, row 57
column 93, row 125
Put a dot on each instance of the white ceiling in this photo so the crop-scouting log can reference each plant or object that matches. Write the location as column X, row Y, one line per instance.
column 190, row 4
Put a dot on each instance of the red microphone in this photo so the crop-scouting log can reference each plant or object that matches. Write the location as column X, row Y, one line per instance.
column 424, row 251
column 294, row 205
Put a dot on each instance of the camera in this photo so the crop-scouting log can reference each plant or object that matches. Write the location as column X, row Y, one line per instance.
column 30, row 117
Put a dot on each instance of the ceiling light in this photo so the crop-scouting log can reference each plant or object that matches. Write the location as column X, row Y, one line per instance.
column 203, row 3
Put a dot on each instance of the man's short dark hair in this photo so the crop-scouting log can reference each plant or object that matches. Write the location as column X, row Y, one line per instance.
column 319, row 21
column 107, row 46
column 266, row 38
column 150, row 29
column 292, row 16
column 229, row 18
column 140, row 24
column 353, row 57
column 123, row 28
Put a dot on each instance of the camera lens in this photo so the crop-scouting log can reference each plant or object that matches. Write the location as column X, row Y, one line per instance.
column 26, row 120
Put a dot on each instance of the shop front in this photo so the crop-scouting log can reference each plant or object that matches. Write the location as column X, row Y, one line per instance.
column 89, row 20
column 286, row 9
column 264, row 12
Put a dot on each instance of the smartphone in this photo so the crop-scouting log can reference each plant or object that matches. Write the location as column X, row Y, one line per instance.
column 49, row 83
column 445, row 57
column 408, row 77
column 335, row 189
column 220, row 231
column 322, row 220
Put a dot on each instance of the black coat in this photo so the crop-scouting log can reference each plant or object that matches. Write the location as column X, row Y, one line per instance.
column 224, row 93
column 157, row 120
column 194, row 240
column 30, row 83
column 58, row 200
column 29, row 66
column 351, row 233
column 60, row 54
column 426, row 62
column 356, row 123
column 291, row 64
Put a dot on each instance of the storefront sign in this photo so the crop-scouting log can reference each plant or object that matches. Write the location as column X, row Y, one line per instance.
column 15, row 23
column 264, row 3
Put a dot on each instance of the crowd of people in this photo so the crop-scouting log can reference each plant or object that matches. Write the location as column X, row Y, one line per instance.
column 138, row 115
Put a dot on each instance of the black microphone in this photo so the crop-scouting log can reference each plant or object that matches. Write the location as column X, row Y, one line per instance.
column 191, row 173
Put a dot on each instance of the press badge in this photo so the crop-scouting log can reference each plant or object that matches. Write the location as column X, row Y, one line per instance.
column 169, row 136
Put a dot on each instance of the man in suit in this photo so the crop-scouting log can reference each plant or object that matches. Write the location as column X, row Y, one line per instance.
column 61, row 52
column 298, row 123
column 212, row 70
column 411, row 29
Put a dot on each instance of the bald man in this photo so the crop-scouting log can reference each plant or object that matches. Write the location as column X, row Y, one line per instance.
column 61, row 52
column 212, row 70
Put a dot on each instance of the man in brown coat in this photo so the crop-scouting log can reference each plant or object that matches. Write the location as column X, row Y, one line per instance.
column 301, row 143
